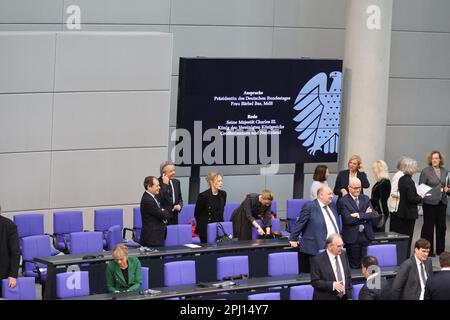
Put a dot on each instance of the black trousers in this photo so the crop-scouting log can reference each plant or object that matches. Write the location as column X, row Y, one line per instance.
column 406, row 226
column 434, row 216
column 304, row 264
column 394, row 226
column 356, row 251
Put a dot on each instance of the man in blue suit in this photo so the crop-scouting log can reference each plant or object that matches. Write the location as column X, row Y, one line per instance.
column 357, row 217
column 317, row 220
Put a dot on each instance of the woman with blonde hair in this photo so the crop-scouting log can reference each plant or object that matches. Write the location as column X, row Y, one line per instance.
column 355, row 169
column 210, row 205
column 124, row 273
column 380, row 193
column 255, row 206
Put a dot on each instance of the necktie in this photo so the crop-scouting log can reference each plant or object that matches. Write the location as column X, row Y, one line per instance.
column 423, row 273
column 357, row 202
column 336, row 230
column 339, row 275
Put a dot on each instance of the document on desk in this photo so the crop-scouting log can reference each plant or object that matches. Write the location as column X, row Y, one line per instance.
column 192, row 246
column 422, row 189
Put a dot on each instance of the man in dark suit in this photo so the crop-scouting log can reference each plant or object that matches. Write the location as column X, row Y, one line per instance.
column 358, row 217
column 154, row 218
column 409, row 284
column 330, row 272
column 376, row 287
column 9, row 251
column 170, row 194
column 317, row 220
column 438, row 287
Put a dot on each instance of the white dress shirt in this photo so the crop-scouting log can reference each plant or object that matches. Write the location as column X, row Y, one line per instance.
column 422, row 281
column 333, row 265
column 329, row 224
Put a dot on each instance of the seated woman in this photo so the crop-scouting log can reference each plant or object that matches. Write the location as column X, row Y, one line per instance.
column 124, row 273
column 210, row 205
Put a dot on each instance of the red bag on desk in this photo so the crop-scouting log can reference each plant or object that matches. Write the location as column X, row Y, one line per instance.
column 193, row 223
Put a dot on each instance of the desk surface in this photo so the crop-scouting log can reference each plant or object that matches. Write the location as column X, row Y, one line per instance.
column 168, row 251
column 210, row 288
column 68, row 259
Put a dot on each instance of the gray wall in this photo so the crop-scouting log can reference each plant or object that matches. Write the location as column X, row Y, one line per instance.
column 76, row 111
column 418, row 113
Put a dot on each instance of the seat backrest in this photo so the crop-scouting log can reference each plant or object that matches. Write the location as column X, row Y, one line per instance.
column 274, row 206
column 303, row 292
column 35, row 246
column 179, row 272
column 29, row 224
column 114, row 237
column 72, row 284
column 265, row 296
column 229, row 209
column 65, row 222
column 211, row 230
column 186, row 214
column 355, row 291
column 233, row 266
column 386, row 254
column 293, row 208
column 282, row 263
column 25, row 289
column 106, row 218
column 86, row 242
column 144, row 273
column 178, row 234
column 137, row 222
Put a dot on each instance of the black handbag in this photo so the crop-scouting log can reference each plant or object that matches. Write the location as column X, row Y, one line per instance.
column 221, row 235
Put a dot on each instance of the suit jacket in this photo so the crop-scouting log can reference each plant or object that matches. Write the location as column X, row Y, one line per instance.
column 438, row 287
column 428, row 177
column 342, row 181
column 244, row 215
column 153, row 217
column 206, row 212
column 350, row 230
column 311, row 229
column 9, row 249
column 409, row 199
column 165, row 198
column 322, row 277
column 406, row 284
column 115, row 280
column 380, row 194
column 384, row 293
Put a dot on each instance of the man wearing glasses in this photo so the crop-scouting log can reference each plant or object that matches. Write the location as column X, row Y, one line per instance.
column 358, row 216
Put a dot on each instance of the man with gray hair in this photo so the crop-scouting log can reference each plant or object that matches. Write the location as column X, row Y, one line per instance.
column 170, row 197
column 330, row 272
column 9, row 251
column 317, row 220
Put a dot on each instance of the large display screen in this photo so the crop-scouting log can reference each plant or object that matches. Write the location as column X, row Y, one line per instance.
column 282, row 110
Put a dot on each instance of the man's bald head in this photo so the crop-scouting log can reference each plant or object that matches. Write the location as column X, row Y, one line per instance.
column 325, row 195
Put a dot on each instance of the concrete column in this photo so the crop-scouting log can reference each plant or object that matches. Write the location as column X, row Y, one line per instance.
column 366, row 81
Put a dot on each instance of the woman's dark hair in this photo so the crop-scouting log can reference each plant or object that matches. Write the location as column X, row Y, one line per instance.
column 320, row 173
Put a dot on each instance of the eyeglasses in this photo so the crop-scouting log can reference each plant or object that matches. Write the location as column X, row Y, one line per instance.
column 355, row 188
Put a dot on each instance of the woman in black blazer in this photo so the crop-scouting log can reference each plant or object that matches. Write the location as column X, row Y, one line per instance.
column 380, row 194
column 355, row 169
column 210, row 205
column 435, row 206
column 409, row 199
